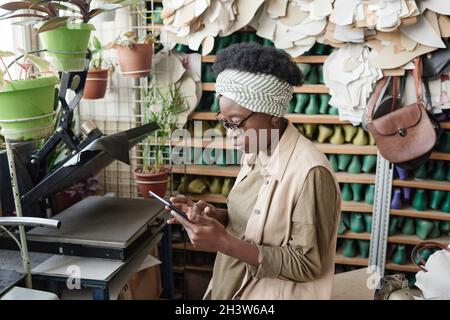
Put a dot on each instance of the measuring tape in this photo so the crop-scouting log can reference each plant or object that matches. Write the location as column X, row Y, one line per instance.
column 380, row 219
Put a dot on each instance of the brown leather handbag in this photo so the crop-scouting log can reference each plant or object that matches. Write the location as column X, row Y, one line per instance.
column 404, row 135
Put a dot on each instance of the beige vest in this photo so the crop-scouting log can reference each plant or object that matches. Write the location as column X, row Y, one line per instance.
column 270, row 221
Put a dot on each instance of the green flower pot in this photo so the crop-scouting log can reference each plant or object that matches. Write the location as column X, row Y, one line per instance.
column 393, row 225
column 342, row 228
column 67, row 45
column 357, row 190
column 436, row 231
column 26, row 108
column 363, row 247
column 349, row 248
column 333, row 162
column 370, row 192
column 439, row 171
column 369, row 163
column 208, row 74
column 420, row 173
column 344, row 161
column 445, row 205
column 324, row 98
column 313, row 105
column 301, row 101
column 333, row 111
column 357, row 223
column 368, row 222
column 346, row 193
column 436, row 198
column 399, row 256
column 355, row 165
column 304, row 68
column 420, row 202
column 423, row 228
column 409, row 226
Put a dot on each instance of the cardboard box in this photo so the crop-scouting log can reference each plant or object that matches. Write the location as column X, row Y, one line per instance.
column 353, row 285
column 144, row 284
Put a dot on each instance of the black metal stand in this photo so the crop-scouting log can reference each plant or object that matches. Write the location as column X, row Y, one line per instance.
column 76, row 82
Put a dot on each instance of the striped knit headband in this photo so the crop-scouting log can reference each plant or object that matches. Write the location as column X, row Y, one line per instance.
column 257, row 92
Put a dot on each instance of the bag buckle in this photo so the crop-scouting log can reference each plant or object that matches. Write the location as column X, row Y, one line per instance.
column 402, row 132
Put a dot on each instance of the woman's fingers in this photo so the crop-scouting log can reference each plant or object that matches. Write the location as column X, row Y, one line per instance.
column 200, row 219
column 180, row 206
column 200, row 206
column 172, row 221
column 182, row 200
column 181, row 220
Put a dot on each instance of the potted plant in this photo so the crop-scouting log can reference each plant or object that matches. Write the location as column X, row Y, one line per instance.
column 70, row 196
column 27, row 103
column 65, row 37
column 163, row 107
column 134, row 54
column 97, row 77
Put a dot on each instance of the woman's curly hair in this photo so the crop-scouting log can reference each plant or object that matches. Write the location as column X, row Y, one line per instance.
column 256, row 58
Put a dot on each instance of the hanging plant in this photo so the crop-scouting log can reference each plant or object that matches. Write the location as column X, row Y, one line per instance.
column 134, row 54
column 62, row 26
column 99, row 69
column 27, row 103
column 163, row 106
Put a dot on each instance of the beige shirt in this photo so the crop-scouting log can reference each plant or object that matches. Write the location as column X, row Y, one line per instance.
column 297, row 250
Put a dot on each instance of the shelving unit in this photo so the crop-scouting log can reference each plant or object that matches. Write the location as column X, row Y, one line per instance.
column 398, row 238
column 231, row 171
column 427, row 214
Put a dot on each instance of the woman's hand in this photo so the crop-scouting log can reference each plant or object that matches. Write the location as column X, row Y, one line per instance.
column 193, row 209
column 205, row 232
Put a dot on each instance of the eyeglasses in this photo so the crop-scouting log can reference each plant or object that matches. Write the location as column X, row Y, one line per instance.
column 230, row 124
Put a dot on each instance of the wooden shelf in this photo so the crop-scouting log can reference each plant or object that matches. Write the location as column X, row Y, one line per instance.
column 293, row 117
column 233, row 170
column 346, row 148
column 356, row 261
column 189, row 246
column 365, row 178
column 445, row 125
column 208, row 197
column 397, row 238
column 436, row 155
column 423, row 184
column 413, row 239
column 428, row 214
column 409, row 267
column 328, row 148
column 207, row 170
column 354, row 206
column 315, row 118
column 203, row 115
column 301, row 59
column 306, row 88
column 354, row 235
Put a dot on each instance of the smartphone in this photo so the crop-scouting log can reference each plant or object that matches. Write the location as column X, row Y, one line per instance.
column 167, row 203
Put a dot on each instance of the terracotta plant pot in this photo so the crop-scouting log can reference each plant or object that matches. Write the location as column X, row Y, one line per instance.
column 135, row 62
column 96, row 83
column 156, row 182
